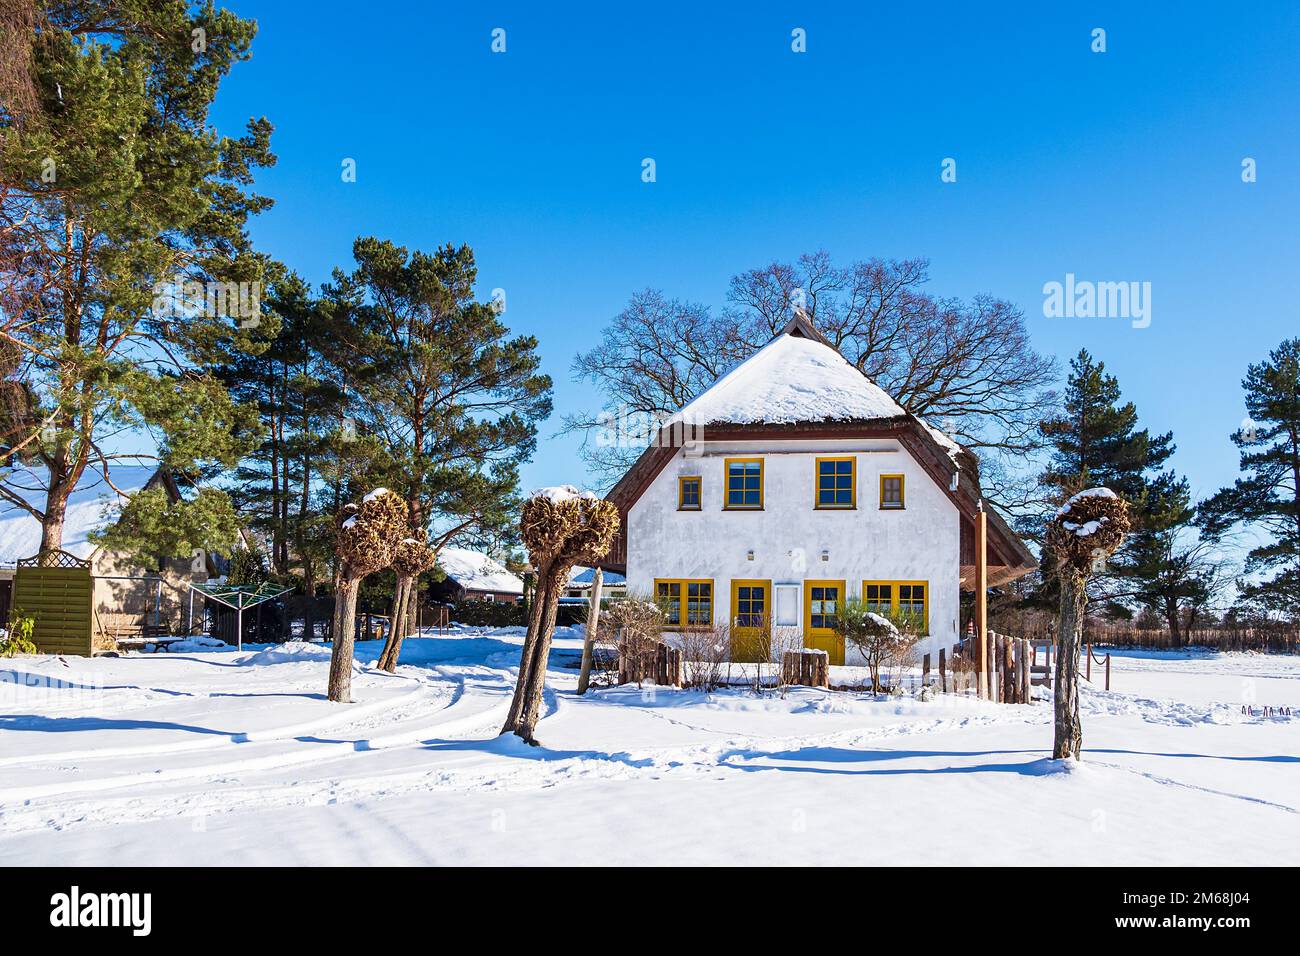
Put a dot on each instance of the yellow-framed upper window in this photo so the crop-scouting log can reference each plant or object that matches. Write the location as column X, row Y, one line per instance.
column 688, row 493
column 836, row 483
column 899, row 598
column 891, row 492
column 744, row 484
column 685, row 602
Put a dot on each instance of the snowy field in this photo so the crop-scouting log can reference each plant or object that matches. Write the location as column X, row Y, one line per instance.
column 225, row 757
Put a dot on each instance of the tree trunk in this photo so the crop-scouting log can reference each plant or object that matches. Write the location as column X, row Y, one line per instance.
column 412, row 612
column 309, row 606
column 1171, row 618
column 537, row 671
column 56, row 511
column 537, row 643
column 397, row 625
column 345, row 620
column 589, row 632
column 1069, row 731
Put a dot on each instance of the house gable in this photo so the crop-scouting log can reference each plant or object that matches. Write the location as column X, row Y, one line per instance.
column 857, row 412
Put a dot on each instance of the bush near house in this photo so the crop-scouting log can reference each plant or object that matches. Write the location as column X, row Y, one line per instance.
column 489, row 614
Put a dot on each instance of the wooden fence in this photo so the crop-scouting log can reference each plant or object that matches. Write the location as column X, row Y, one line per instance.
column 809, row 668
column 1008, row 677
column 649, row 662
column 1275, row 640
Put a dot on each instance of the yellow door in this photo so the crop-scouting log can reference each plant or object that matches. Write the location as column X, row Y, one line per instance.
column 821, row 601
column 751, row 620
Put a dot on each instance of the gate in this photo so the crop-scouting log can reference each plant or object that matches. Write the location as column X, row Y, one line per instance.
column 55, row 589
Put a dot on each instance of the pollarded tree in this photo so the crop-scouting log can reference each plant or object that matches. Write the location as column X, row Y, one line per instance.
column 1267, row 497
column 560, row 527
column 1085, row 532
column 368, row 537
column 124, row 256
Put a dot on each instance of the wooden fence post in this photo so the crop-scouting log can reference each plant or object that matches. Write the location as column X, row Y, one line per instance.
column 995, row 668
column 925, row 671
column 943, row 673
column 1026, row 676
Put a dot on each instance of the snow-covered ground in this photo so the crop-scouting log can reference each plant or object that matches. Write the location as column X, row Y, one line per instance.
column 222, row 757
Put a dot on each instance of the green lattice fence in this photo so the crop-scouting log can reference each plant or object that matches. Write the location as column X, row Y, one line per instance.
column 56, row 590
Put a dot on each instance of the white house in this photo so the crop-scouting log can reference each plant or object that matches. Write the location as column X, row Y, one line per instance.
column 793, row 483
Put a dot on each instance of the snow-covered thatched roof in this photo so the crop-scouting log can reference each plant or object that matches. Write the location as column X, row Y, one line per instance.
column 790, row 380
column 92, row 506
column 476, row 571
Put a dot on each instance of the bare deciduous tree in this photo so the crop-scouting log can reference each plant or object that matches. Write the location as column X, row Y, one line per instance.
column 968, row 367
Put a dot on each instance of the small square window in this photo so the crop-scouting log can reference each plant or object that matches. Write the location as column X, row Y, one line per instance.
column 688, row 493
column 891, row 492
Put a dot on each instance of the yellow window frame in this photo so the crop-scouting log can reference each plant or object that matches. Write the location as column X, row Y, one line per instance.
column 684, row 600
column 902, row 493
column 726, row 484
column 853, row 483
column 681, row 493
column 896, row 597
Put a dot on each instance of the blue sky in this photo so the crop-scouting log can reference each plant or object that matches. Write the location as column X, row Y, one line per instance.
column 1115, row 166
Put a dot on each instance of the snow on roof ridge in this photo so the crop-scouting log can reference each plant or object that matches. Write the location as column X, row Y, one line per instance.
column 812, row 382
column 950, row 444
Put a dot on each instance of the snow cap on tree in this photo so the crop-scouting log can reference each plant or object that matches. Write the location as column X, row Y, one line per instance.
column 413, row 556
column 369, row 538
column 1091, row 525
column 563, row 526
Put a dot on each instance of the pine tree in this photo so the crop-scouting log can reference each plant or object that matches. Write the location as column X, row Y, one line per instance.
column 1097, row 440
column 1098, row 443
column 295, row 385
column 117, row 199
column 1267, row 496
column 451, row 401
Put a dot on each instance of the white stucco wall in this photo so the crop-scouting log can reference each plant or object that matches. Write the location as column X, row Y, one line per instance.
column 919, row 543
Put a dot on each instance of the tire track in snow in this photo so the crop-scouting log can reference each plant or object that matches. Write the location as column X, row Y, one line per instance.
column 1170, row 782
column 320, row 750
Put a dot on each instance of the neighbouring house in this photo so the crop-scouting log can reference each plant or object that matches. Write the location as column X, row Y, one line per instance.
column 794, row 483
column 130, row 595
column 474, row 576
column 613, row 585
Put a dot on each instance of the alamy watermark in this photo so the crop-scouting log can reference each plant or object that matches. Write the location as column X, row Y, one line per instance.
column 629, row 428
column 1084, row 299
column 188, row 300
